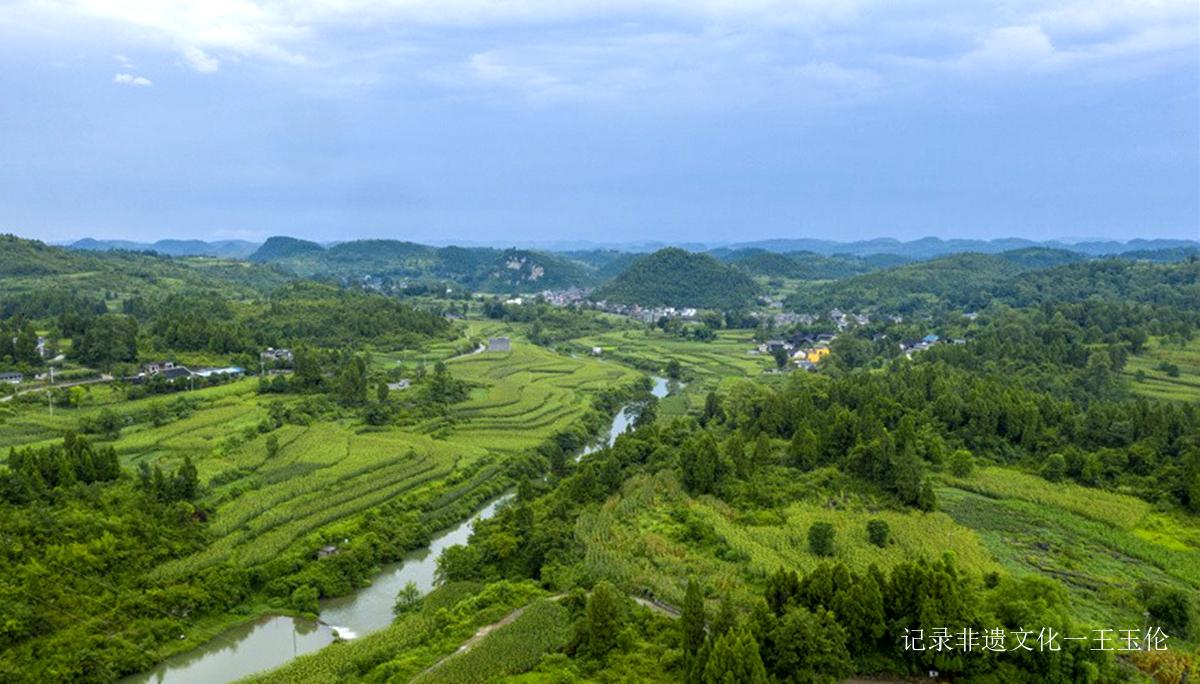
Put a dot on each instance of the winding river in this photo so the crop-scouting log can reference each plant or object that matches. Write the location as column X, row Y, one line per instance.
column 272, row 641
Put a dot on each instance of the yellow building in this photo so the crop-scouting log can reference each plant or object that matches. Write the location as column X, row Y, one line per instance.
column 815, row 354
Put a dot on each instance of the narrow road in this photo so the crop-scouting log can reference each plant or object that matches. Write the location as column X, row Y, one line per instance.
column 42, row 388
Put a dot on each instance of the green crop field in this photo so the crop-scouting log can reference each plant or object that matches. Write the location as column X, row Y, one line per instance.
column 1099, row 544
column 526, row 395
column 704, row 364
column 511, row 649
column 1147, row 377
column 638, row 540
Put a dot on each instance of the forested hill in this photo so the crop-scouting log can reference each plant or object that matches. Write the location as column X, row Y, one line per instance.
column 228, row 249
column 675, row 277
column 478, row 268
column 1021, row 277
column 32, row 266
column 805, row 265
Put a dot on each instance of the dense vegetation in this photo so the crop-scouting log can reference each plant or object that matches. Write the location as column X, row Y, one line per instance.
column 674, row 277
column 1035, row 464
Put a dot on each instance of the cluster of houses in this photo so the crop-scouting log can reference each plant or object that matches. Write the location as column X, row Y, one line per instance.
column 171, row 371
column 648, row 314
column 910, row 347
column 567, row 297
column 804, row 350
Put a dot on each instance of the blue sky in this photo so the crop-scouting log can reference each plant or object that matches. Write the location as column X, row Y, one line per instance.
column 531, row 120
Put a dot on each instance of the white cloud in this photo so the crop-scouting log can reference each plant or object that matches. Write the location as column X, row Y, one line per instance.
column 200, row 60
column 131, row 80
column 603, row 49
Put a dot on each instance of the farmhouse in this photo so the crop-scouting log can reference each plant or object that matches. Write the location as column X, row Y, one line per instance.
column 499, row 344
column 276, row 355
column 158, row 367
column 11, row 378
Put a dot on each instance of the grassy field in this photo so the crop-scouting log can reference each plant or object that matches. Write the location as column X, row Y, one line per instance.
column 1155, row 382
column 1100, row 545
column 704, row 364
column 652, row 536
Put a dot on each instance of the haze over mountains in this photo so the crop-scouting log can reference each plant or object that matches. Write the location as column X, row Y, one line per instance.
column 922, row 248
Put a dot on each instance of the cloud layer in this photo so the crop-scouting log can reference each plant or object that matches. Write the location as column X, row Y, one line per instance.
column 551, row 50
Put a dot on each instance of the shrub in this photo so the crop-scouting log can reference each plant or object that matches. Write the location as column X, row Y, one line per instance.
column 820, row 538
column 878, row 532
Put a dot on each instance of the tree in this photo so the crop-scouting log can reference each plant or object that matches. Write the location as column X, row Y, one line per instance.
column 24, row 347
column 408, row 599
column 781, row 357
column 820, row 538
column 603, row 618
column 927, row 498
column 735, row 659
column 307, row 368
column 352, row 382
column 700, row 462
column 186, row 483
column 878, row 532
column 272, row 446
column 809, row 646
column 305, row 599
column 381, row 392
column 804, row 449
column 692, row 621
column 109, row 339
column 961, row 463
column 674, row 370
column 726, row 618
column 1055, row 467
column 712, row 410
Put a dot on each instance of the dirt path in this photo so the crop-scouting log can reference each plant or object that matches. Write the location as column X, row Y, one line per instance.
column 482, row 633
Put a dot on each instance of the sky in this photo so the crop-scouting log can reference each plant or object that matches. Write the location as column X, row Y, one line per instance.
column 542, row 120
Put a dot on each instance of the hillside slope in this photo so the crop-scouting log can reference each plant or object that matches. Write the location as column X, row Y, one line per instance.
column 675, row 277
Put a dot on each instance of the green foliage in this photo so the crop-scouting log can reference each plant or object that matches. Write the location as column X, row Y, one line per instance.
column 675, row 277
column 820, row 538
column 692, row 622
column 878, row 532
column 735, row 660
column 604, row 617
column 542, row 627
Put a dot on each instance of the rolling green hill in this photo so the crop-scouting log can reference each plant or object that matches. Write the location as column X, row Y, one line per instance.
column 477, row 268
column 675, row 277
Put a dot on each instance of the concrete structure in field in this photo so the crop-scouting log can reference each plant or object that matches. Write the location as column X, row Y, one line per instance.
column 499, row 344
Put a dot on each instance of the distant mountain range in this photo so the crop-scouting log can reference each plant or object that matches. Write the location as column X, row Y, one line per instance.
column 912, row 250
column 228, row 249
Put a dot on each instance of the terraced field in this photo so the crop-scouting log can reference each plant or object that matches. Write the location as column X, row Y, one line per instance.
column 1155, row 382
column 704, row 364
column 526, row 395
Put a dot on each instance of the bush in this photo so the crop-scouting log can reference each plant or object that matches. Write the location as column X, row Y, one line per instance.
column 820, row 538
column 878, row 532
column 1055, row 468
column 961, row 463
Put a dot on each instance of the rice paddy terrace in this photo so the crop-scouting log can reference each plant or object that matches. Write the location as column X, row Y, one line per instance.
column 265, row 502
